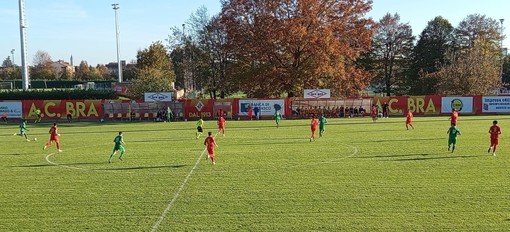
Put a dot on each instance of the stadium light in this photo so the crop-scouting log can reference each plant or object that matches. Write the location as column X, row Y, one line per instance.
column 115, row 8
column 12, row 53
column 23, row 41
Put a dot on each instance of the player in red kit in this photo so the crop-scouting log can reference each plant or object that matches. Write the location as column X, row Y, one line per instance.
column 455, row 117
column 374, row 113
column 409, row 120
column 210, row 143
column 313, row 126
column 54, row 137
column 221, row 125
column 495, row 131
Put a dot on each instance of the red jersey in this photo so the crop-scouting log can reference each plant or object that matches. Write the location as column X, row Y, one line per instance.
column 53, row 131
column 374, row 110
column 209, row 141
column 221, row 122
column 314, row 123
column 495, row 131
column 454, row 117
column 409, row 116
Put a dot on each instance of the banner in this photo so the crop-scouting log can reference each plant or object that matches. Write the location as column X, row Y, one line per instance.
column 157, row 97
column 460, row 104
column 266, row 107
column 317, row 93
column 56, row 109
column 13, row 109
column 496, row 104
column 419, row 105
column 199, row 108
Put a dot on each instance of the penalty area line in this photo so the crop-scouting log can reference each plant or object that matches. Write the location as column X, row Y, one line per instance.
column 178, row 193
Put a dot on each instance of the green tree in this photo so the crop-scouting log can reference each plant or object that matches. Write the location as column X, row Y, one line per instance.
column 391, row 52
column 154, row 70
column 429, row 55
column 7, row 62
column 461, row 76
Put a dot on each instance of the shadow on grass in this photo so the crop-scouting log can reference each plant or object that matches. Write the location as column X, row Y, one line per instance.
column 435, row 158
column 63, row 164
column 143, row 167
column 400, row 140
column 390, row 156
column 33, row 166
column 10, row 154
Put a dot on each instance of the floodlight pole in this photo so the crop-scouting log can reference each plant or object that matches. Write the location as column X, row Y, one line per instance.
column 115, row 8
column 12, row 54
column 23, row 41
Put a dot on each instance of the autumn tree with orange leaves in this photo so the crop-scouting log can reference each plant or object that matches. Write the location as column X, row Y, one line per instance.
column 281, row 47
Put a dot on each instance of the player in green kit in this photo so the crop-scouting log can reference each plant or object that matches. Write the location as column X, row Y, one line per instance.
column 200, row 127
column 23, row 129
column 322, row 125
column 277, row 117
column 119, row 146
column 452, row 136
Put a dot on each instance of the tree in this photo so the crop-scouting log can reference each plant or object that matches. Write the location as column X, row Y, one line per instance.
column 42, row 68
column 429, row 55
column 153, row 70
column 286, row 46
column 7, row 62
column 103, row 72
column 391, row 52
column 477, row 41
column 83, row 71
column 462, row 77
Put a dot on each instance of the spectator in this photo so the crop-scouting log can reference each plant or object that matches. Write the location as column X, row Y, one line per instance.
column 69, row 116
column 385, row 110
column 4, row 117
column 256, row 110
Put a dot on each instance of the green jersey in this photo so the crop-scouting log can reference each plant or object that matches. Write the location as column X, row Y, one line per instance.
column 277, row 115
column 23, row 127
column 453, row 132
column 322, row 121
column 200, row 123
column 118, row 140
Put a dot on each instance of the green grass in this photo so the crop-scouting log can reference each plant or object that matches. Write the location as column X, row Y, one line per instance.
column 360, row 176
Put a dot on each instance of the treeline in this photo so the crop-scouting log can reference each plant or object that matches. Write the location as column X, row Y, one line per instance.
column 62, row 94
column 276, row 48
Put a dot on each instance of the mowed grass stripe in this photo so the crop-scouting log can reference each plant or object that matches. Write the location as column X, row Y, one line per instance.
column 266, row 178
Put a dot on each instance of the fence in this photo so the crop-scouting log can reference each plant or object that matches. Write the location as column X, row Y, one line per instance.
column 304, row 108
column 142, row 111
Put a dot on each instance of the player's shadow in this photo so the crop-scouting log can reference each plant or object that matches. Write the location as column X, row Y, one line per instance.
column 402, row 140
column 11, row 154
column 144, row 167
column 390, row 156
column 33, row 166
column 435, row 158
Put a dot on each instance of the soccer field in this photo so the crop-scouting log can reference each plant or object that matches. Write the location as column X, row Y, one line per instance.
column 361, row 176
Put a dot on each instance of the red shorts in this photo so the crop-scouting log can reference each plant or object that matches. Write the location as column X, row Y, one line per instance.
column 494, row 141
column 210, row 150
column 408, row 122
column 54, row 138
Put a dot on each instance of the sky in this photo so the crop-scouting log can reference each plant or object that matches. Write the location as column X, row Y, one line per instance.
column 85, row 30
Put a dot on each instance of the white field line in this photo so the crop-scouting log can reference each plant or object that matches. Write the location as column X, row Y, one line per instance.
column 78, row 168
column 178, row 193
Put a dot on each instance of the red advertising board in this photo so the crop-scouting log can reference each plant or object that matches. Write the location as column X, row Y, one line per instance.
column 199, row 108
column 56, row 109
column 419, row 105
